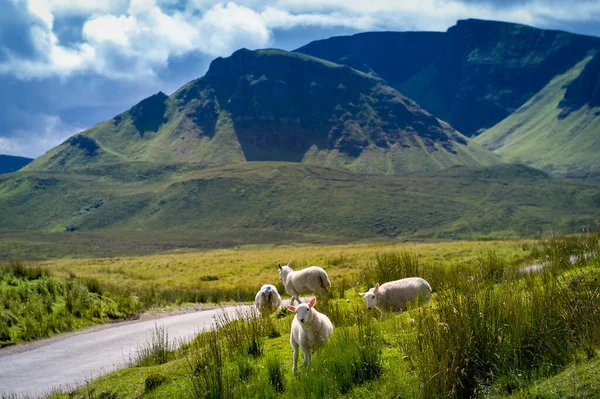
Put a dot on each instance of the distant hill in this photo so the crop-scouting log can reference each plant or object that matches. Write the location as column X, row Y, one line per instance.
column 9, row 163
column 295, row 198
column 272, row 105
column 558, row 129
column 472, row 76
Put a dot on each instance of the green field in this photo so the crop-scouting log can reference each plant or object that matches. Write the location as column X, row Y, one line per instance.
column 489, row 330
column 142, row 208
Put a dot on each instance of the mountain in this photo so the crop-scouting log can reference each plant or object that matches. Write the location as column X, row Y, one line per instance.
column 558, row 129
column 286, row 198
column 472, row 76
column 272, row 105
column 9, row 163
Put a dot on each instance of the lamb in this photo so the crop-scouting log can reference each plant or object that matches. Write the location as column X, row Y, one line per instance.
column 311, row 279
column 267, row 299
column 394, row 295
column 310, row 329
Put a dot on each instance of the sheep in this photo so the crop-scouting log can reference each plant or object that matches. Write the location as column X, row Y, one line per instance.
column 311, row 279
column 310, row 329
column 267, row 299
column 394, row 295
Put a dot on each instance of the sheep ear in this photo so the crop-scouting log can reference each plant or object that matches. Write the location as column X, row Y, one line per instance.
column 376, row 287
column 312, row 302
column 362, row 294
column 289, row 262
column 291, row 308
column 279, row 265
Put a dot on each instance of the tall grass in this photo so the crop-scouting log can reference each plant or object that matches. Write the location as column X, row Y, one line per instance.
column 34, row 304
column 505, row 324
column 158, row 350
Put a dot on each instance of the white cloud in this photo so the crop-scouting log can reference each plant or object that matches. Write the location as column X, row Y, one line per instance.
column 138, row 42
column 137, row 38
column 35, row 143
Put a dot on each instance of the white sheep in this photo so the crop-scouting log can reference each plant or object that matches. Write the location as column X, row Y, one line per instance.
column 310, row 329
column 311, row 279
column 267, row 299
column 394, row 295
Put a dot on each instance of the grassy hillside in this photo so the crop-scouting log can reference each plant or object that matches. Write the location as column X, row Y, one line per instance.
column 472, row 76
column 272, row 105
column 544, row 134
column 10, row 163
column 291, row 200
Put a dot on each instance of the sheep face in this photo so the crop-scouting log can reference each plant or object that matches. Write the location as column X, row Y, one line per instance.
column 370, row 297
column 266, row 291
column 284, row 271
column 303, row 311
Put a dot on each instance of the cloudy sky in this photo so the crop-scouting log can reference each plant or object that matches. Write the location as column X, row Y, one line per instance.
column 66, row 65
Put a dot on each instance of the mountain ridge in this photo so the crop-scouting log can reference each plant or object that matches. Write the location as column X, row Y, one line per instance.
column 482, row 72
column 12, row 163
column 273, row 105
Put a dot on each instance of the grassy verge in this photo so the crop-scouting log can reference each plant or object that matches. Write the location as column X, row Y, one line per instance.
column 490, row 330
column 35, row 304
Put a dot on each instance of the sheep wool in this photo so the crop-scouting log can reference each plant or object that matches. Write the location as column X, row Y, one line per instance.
column 267, row 299
column 394, row 295
column 310, row 329
column 310, row 280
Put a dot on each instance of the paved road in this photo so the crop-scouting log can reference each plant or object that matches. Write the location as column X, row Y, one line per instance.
column 71, row 359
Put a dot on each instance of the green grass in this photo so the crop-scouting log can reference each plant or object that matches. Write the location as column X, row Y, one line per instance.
column 489, row 331
column 35, row 304
column 535, row 135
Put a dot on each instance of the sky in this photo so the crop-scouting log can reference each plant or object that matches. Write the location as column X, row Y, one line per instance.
column 66, row 65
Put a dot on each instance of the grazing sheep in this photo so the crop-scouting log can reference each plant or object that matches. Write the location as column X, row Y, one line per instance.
column 394, row 295
column 310, row 329
column 267, row 299
column 311, row 279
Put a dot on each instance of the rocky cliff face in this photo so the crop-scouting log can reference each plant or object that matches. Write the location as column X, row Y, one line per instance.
column 472, row 76
column 584, row 90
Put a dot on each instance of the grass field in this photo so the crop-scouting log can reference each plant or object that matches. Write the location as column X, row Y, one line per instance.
column 133, row 209
column 489, row 331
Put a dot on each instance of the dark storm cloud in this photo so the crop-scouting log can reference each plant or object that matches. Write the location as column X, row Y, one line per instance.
column 16, row 25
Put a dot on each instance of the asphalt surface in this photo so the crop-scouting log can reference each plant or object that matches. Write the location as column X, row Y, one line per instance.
column 70, row 360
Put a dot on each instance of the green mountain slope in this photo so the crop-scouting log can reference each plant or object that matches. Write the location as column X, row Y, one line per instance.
column 473, row 76
column 554, row 131
column 9, row 163
column 272, row 105
column 499, row 201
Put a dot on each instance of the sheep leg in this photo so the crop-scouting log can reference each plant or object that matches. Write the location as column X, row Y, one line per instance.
column 380, row 312
column 295, row 361
column 306, row 362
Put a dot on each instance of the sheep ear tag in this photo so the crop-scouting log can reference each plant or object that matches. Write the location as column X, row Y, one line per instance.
column 312, row 302
column 291, row 308
column 376, row 287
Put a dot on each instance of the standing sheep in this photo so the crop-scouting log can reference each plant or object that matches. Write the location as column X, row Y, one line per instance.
column 311, row 279
column 310, row 329
column 267, row 299
column 394, row 295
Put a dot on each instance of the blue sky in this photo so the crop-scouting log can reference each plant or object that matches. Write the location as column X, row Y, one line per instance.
column 66, row 65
